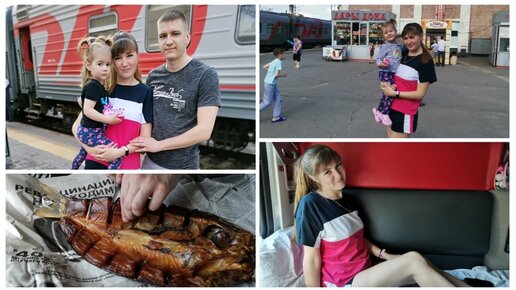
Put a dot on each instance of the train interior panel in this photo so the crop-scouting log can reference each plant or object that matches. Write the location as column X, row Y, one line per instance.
column 447, row 201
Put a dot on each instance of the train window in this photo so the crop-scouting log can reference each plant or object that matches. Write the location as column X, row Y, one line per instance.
column 105, row 24
column 245, row 30
column 154, row 12
column 270, row 28
column 22, row 11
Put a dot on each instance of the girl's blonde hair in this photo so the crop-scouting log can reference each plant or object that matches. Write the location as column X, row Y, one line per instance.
column 86, row 50
column 315, row 157
column 123, row 42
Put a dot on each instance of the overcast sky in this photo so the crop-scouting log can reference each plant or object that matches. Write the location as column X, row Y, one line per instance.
column 316, row 11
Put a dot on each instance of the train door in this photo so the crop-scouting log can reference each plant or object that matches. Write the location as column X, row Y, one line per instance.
column 25, row 55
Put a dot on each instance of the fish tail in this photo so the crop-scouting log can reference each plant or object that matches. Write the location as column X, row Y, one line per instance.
column 53, row 204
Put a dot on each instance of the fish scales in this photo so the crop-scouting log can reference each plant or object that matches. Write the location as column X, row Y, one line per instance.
column 173, row 246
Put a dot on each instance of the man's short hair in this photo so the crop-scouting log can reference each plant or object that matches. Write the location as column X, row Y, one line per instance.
column 172, row 15
column 278, row 50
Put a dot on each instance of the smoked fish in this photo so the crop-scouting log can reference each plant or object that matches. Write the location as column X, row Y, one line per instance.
column 173, row 246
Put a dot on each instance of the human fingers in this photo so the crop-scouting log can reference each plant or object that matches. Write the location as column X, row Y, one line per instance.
column 118, row 178
column 128, row 190
column 141, row 150
column 136, row 140
column 166, row 183
column 139, row 203
column 161, row 192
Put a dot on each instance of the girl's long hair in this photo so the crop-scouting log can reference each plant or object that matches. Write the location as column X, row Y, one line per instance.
column 86, row 50
column 123, row 42
column 315, row 157
column 416, row 29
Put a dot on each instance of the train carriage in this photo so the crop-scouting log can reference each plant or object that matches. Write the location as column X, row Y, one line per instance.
column 44, row 68
column 276, row 29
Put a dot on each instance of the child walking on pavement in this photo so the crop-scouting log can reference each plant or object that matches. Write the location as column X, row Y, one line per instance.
column 97, row 111
column 297, row 50
column 271, row 92
column 388, row 61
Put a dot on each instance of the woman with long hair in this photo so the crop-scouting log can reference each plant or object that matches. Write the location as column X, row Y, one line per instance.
column 133, row 99
column 328, row 226
column 414, row 75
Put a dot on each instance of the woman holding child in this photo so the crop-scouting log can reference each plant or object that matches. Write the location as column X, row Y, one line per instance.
column 132, row 100
column 414, row 75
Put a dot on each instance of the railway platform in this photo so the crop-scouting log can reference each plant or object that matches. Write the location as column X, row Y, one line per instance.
column 328, row 99
column 39, row 149
column 36, row 148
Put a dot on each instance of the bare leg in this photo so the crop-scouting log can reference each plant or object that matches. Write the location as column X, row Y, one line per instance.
column 405, row 269
column 392, row 134
column 451, row 278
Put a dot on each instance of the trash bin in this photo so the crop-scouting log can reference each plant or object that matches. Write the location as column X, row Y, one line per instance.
column 453, row 59
column 462, row 52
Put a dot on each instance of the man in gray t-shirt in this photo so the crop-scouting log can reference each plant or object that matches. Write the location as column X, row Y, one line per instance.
column 186, row 101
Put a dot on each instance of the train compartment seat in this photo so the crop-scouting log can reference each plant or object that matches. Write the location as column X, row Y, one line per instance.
column 450, row 228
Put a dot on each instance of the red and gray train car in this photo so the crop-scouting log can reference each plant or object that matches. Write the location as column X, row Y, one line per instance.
column 43, row 67
column 277, row 29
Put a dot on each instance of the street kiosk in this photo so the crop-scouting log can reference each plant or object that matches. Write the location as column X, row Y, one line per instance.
column 499, row 55
column 355, row 30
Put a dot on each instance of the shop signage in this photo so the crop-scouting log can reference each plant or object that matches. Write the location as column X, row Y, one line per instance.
column 436, row 24
column 360, row 15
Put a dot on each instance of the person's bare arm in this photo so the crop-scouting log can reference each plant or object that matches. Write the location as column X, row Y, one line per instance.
column 201, row 132
column 378, row 252
column 145, row 131
column 418, row 94
column 90, row 112
column 312, row 266
column 279, row 74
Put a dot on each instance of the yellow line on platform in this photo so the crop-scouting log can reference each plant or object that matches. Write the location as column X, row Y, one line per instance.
column 48, row 145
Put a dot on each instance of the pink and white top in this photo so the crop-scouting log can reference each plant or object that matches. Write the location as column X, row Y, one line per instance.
column 136, row 103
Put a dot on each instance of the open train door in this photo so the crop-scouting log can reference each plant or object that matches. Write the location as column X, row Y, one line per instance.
column 24, row 52
column 25, row 62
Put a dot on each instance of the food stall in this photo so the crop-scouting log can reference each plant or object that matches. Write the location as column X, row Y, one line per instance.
column 354, row 30
column 499, row 55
